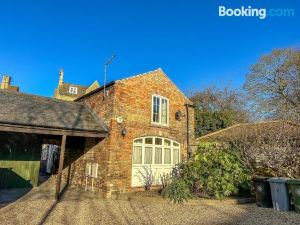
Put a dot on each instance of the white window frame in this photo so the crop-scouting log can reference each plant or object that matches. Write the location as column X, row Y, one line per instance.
column 73, row 90
column 155, row 167
column 160, row 110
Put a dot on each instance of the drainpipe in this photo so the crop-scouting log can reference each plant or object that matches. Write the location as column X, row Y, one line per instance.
column 187, row 106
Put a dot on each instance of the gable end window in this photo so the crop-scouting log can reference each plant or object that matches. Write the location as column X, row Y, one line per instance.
column 160, row 110
column 73, row 90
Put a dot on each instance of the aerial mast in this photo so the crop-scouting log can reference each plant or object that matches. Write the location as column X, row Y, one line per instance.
column 108, row 62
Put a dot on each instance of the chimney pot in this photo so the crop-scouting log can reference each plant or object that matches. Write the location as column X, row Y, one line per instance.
column 5, row 82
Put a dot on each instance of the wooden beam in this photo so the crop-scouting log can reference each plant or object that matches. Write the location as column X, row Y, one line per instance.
column 60, row 166
column 50, row 131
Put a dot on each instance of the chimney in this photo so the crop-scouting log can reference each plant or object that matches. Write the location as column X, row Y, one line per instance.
column 61, row 77
column 5, row 82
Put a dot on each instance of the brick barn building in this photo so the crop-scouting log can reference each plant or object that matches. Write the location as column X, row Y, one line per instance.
column 147, row 121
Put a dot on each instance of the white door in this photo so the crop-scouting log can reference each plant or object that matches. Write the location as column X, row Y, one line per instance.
column 151, row 158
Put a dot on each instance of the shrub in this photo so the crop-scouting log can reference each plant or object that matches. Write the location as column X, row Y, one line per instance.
column 165, row 180
column 212, row 171
column 146, row 177
column 177, row 191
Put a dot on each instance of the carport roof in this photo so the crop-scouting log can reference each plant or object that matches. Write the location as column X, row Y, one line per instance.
column 47, row 115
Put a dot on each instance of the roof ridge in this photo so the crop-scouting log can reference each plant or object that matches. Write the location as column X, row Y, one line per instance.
column 237, row 125
column 221, row 130
column 84, row 86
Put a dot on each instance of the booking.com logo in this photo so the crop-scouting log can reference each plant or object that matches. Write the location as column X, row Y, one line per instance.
column 261, row 13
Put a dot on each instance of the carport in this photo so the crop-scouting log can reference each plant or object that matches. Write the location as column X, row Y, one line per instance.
column 45, row 119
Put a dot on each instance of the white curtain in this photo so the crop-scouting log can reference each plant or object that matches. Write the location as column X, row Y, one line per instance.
column 137, row 155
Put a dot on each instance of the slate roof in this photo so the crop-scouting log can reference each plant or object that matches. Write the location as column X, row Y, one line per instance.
column 36, row 111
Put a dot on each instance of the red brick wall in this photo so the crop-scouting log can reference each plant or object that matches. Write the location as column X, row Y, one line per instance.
column 131, row 99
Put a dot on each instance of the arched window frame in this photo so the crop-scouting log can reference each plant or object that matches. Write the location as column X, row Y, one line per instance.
column 143, row 143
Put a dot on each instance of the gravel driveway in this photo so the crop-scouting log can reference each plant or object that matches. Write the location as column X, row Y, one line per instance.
column 79, row 207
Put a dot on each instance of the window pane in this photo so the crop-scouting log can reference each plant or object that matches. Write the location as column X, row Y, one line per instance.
column 158, row 155
column 167, row 142
column 164, row 111
column 158, row 141
column 137, row 155
column 167, row 156
column 148, row 155
column 73, row 90
column 149, row 141
column 175, row 156
column 138, row 141
column 156, row 109
column 175, row 144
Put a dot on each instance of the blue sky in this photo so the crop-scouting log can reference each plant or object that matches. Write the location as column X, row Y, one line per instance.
column 187, row 39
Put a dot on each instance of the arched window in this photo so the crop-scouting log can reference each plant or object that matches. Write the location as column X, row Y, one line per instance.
column 156, row 154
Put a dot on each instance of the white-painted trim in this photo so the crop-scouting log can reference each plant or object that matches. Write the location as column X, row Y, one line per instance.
column 73, row 90
column 159, row 168
column 160, row 110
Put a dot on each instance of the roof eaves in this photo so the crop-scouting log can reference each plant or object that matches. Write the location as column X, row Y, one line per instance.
column 176, row 87
column 50, row 127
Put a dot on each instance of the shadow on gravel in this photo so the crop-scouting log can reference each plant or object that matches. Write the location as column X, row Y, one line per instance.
column 81, row 207
column 8, row 196
column 51, row 209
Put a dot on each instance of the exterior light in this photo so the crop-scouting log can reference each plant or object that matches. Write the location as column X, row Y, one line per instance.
column 178, row 115
column 123, row 132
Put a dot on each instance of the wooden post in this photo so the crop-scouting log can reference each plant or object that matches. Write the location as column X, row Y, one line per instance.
column 60, row 167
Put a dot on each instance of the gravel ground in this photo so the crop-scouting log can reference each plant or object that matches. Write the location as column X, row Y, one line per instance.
column 79, row 207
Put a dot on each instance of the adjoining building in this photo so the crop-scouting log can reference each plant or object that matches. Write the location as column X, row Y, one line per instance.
column 69, row 91
column 29, row 121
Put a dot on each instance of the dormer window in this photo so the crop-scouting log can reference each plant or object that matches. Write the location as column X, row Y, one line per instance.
column 73, row 90
column 160, row 110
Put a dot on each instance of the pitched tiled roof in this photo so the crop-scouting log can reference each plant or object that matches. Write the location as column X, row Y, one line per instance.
column 36, row 111
column 64, row 88
column 263, row 128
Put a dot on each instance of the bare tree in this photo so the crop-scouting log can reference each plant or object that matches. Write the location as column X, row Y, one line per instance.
column 273, row 85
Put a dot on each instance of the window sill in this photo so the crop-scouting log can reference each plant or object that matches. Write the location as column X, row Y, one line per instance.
column 159, row 125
